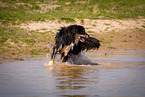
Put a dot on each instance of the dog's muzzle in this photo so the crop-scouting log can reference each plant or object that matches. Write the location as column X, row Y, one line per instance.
column 82, row 38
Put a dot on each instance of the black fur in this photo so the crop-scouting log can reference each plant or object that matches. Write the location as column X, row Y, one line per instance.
column 65, row 36
column 76, row 36
column 90, row 43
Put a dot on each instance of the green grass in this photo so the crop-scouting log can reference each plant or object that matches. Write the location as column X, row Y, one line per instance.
column 23, row 41
column 110, row 47
column 107, row 42
column 67, row 19
column 18, row 11
column 15, row 33
column 143, row 26
column 15, row 12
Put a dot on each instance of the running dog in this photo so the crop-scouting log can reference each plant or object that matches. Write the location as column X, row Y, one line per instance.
column 72, row 39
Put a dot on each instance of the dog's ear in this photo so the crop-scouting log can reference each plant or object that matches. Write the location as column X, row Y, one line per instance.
column 74, row 31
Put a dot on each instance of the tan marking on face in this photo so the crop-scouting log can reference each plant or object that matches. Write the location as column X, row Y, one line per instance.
column 77, row 37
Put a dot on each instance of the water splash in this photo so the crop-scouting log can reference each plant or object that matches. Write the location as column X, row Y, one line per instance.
column 81, row 59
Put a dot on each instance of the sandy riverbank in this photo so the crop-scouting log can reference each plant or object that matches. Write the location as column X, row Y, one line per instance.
column 113, row 35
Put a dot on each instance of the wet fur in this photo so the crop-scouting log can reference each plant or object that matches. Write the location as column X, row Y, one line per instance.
column 68, row 42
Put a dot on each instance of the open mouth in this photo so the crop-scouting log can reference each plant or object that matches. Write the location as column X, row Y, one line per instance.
column 82, row 39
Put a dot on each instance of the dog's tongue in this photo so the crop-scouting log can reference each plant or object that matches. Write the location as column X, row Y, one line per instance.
column 82, row 40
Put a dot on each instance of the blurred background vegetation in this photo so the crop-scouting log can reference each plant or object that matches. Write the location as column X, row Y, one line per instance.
column 17, row 11
column 14, row 12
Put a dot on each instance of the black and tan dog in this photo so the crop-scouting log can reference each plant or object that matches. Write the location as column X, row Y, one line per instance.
column 72, row 39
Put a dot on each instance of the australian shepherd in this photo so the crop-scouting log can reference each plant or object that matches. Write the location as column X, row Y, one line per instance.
column 72, row 40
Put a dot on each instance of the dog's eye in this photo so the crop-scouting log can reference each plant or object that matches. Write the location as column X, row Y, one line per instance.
column 83, row 31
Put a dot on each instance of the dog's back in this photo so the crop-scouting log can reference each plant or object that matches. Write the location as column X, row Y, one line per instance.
column 64, row 37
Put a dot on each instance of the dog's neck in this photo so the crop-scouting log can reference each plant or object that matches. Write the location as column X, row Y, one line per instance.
column 77, row 39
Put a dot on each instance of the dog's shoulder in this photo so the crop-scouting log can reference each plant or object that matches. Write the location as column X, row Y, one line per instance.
column 64, row 36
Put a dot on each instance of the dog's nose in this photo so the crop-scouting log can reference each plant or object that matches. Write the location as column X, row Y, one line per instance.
column 87, row 35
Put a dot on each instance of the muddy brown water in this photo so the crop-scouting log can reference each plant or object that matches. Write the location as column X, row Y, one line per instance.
column 119, row 74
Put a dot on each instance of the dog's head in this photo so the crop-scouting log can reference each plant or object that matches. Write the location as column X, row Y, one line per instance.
column 79, row 32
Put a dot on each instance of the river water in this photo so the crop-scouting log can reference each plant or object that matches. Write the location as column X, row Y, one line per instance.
column 118, row 74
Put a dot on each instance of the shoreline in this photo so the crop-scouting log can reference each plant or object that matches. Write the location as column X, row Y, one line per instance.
column 32, row 38
column 31, row 57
